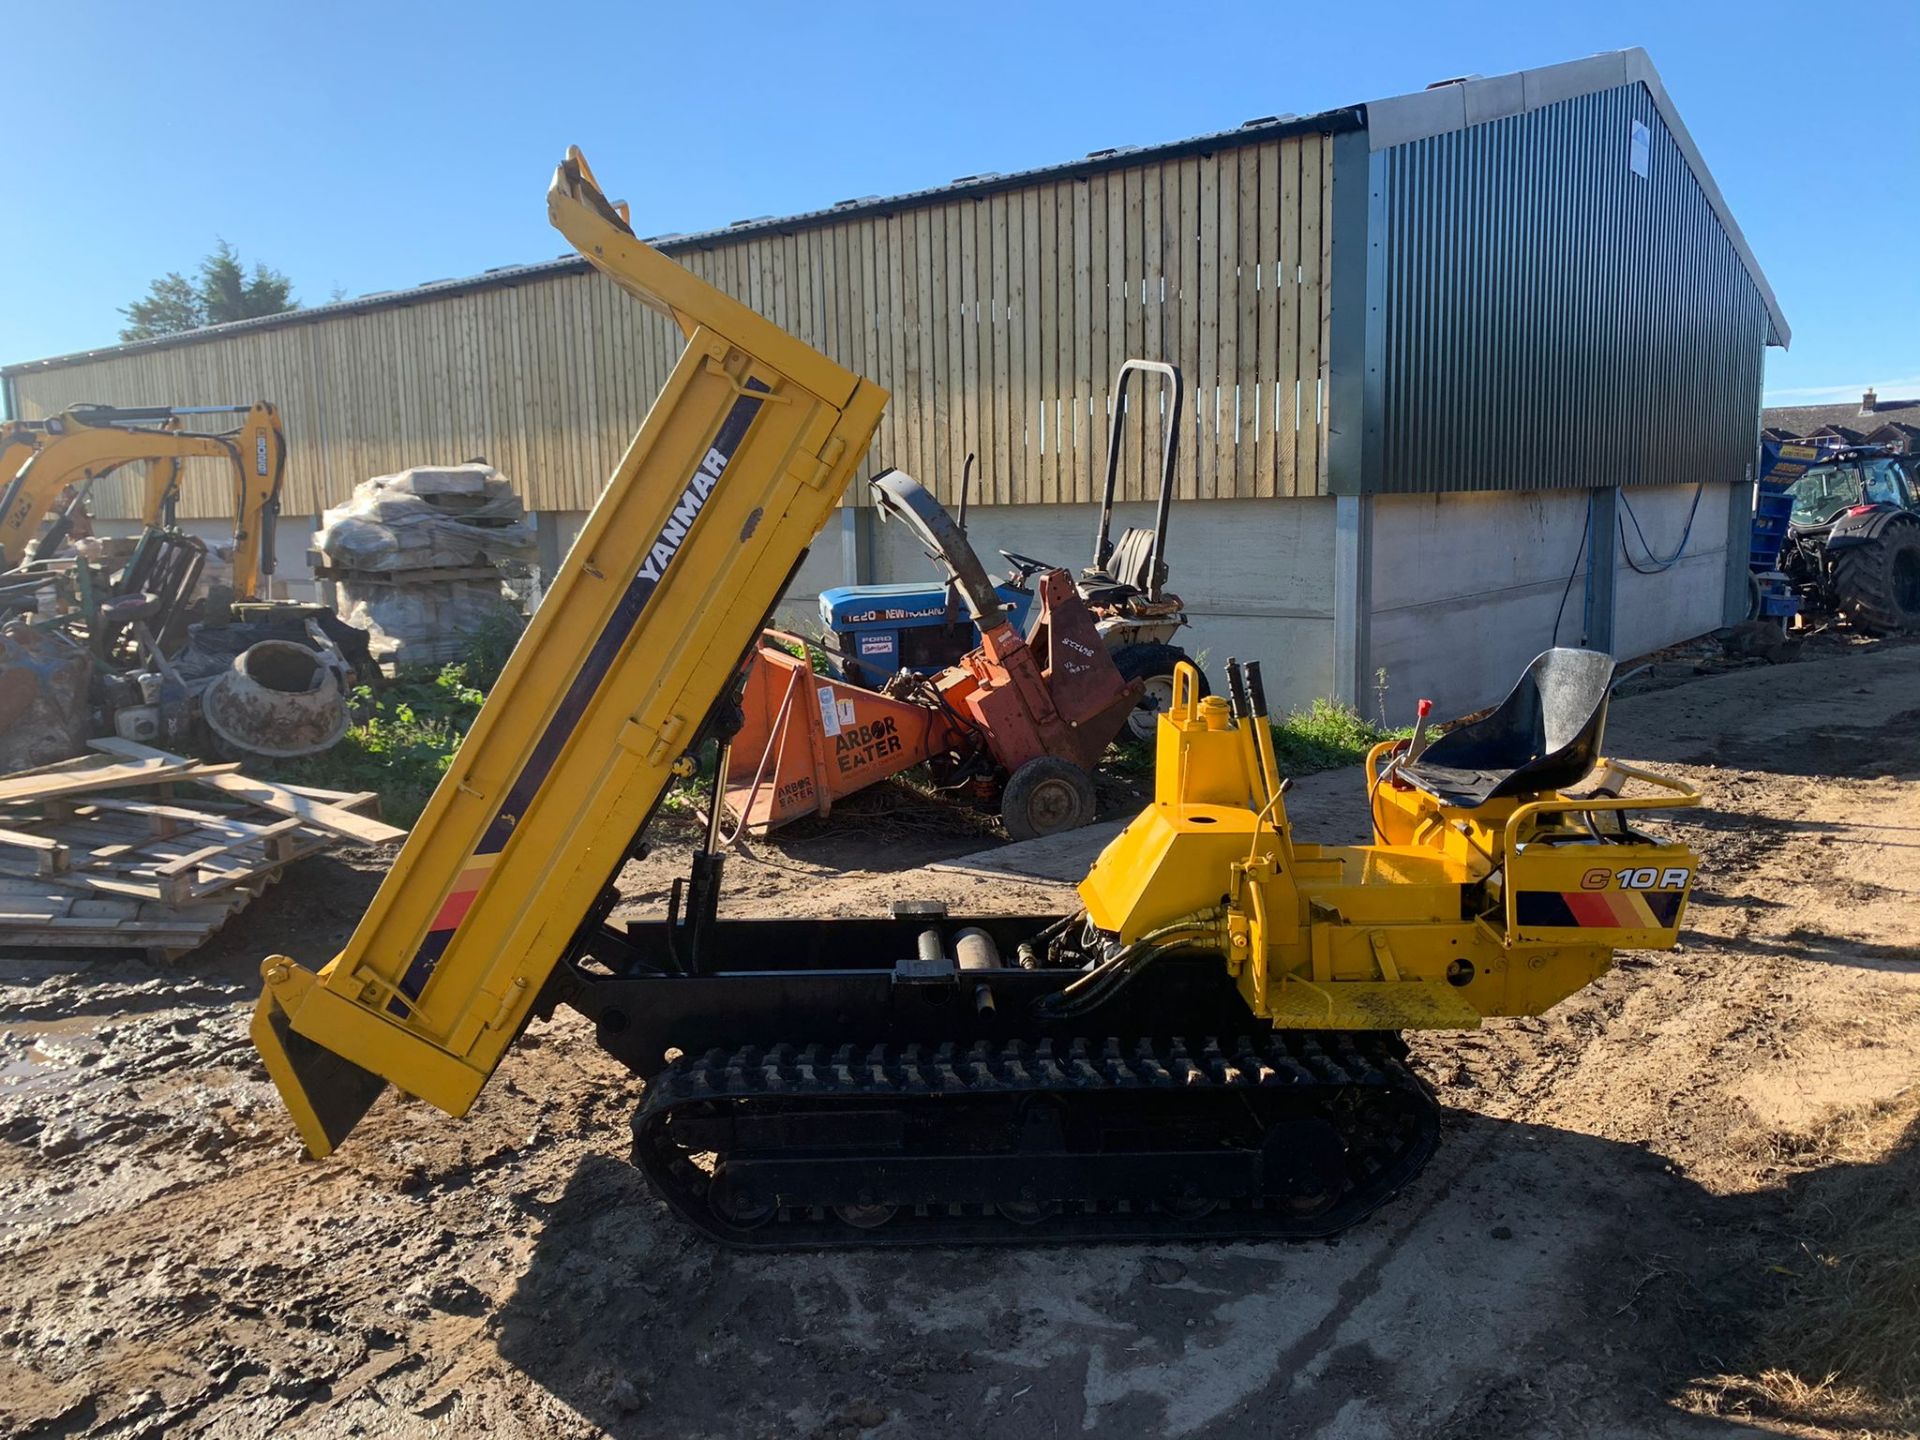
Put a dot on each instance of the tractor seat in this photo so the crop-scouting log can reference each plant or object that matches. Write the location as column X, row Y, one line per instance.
column 1544, row 736
column 1128, row 571
column 125, row 609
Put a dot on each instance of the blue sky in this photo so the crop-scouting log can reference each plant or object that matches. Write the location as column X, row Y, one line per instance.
column 369, row 147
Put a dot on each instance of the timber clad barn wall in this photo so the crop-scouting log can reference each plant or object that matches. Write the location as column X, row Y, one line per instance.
column 996, row 315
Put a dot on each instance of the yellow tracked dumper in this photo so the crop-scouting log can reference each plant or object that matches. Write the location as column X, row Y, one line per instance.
column 1209, row 1046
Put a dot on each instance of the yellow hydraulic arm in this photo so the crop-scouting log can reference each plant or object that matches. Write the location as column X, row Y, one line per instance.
column 737, row 466
column 18, row 440
column 85, row 444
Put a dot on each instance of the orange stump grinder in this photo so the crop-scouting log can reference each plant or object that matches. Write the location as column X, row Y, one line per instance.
column 1024, row 719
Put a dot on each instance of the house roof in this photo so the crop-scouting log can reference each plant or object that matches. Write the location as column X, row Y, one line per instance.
column 1851, row 422
column 1393, row 120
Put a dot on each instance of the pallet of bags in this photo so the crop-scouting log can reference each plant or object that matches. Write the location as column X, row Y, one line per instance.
column 417, row 558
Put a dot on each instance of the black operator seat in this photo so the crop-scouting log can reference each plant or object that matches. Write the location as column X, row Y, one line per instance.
column 1128, row 571
column 1544, row 736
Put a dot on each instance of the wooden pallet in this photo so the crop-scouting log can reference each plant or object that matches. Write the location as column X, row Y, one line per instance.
column 105, row 852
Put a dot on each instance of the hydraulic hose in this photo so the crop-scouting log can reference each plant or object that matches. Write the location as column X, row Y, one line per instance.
column 1113, row 974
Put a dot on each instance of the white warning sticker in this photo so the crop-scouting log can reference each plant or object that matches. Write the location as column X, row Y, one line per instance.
column 829, row 712
column 846, row 714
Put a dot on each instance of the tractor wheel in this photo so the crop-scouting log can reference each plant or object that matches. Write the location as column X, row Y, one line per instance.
column 1152, row 665
column 1878, row 584
column 1046, row 796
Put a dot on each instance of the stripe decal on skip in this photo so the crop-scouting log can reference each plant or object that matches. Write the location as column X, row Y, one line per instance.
column 1598, row 909
column 586, row 683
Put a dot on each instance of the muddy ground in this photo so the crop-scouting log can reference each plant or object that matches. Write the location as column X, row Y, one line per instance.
column 1597, row 1250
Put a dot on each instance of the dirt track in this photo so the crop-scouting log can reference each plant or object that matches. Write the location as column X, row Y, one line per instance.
column 1596, row 1240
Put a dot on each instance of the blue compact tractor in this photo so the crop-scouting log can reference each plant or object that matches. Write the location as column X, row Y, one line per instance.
column 875, row 631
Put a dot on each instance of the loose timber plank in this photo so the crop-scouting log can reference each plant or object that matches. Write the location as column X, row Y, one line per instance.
column 52, row 855
column 103, row 884
column 193, row 859
column 147, row 771
column 206, row 819
column 271, row 797
column 282, row 850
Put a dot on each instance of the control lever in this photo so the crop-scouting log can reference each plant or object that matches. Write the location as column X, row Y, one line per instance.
column 1419, row 741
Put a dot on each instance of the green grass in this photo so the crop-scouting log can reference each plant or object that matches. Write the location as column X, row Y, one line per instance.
column 403, row 736
column 806, row 650
column 1325, row 736
column 400, row 743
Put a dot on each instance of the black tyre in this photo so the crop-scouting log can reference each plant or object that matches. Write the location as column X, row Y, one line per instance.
column 1152, row 665
column 1878, row 584
column 1046, row 796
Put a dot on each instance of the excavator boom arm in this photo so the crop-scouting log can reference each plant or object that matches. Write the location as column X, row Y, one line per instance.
column 259, row 453
column 737, row 466
column 82, row 446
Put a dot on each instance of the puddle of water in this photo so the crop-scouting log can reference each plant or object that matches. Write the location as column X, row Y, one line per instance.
column 24, row 1061
column 59, row 1026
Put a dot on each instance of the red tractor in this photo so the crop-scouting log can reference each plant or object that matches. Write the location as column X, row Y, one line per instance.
column 1852, row 543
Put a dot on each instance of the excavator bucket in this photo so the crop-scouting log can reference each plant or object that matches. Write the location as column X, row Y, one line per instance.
column 738, row 465
column 809, row 740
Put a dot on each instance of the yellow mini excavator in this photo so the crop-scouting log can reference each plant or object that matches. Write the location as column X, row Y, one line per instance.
column 84, row 444
column 1210, row 1045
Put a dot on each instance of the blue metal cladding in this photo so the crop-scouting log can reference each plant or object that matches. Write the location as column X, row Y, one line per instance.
column 1550, row 318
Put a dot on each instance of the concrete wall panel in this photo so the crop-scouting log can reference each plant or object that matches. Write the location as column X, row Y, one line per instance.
column 1466, row 586
column 1651, row 611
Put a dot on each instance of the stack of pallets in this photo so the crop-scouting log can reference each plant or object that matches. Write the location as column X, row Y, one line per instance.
column 135, row 848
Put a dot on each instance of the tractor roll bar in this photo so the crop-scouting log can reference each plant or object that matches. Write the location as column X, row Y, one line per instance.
column 1102, row 544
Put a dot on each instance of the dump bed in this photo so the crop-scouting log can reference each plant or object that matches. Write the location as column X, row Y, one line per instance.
column 737, row 466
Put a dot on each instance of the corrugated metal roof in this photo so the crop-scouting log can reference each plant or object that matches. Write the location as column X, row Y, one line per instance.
column 1392, row 120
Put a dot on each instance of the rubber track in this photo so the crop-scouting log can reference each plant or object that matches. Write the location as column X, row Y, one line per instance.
column 1357, row 1081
